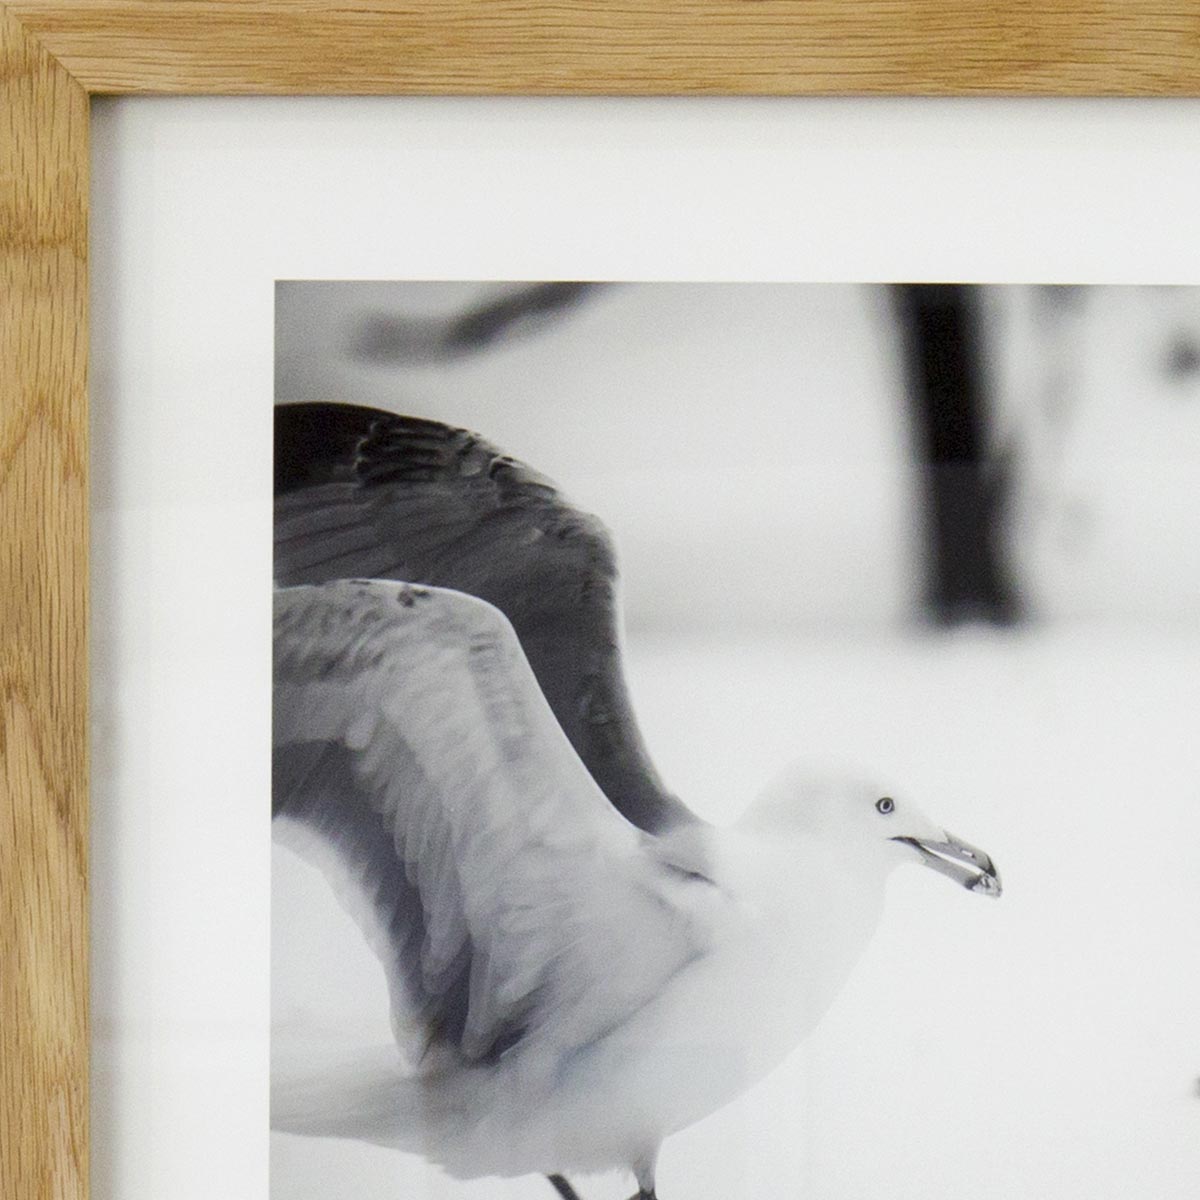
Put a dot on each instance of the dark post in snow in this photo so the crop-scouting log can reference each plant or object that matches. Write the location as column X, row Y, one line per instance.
column 967, row 578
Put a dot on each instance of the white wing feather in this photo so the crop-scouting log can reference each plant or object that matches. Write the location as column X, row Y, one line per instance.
column 505, row 896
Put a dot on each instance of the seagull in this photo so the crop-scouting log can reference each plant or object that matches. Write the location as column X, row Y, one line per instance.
column 577, row 965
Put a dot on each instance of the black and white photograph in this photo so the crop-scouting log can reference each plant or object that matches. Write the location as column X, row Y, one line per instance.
column 735, row 739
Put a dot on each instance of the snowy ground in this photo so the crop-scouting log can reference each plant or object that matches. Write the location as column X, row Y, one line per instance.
column 1045, row 1046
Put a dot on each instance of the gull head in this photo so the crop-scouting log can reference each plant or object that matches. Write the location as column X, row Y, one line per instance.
column 871, row 823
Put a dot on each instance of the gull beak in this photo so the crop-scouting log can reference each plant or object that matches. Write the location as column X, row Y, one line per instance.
column 964, row 863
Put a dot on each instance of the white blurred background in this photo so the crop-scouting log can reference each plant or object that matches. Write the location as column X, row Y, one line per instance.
column 757, row 451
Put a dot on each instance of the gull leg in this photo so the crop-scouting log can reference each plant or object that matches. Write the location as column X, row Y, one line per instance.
column 563, row 1187
column 644, row 1170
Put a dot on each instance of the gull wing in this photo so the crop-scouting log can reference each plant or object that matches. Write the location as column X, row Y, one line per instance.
column 418, row 763
column 364, row 493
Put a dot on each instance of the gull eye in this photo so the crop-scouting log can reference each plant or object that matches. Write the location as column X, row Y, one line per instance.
column 885, row 805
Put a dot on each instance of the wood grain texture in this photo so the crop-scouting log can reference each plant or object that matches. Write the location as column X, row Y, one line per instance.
column 936, row 47
column 43, row 625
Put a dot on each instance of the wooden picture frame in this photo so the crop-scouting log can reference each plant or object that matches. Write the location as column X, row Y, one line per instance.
column 55, row 54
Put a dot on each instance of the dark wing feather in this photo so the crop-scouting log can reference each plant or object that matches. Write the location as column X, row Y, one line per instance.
column 364, row 493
